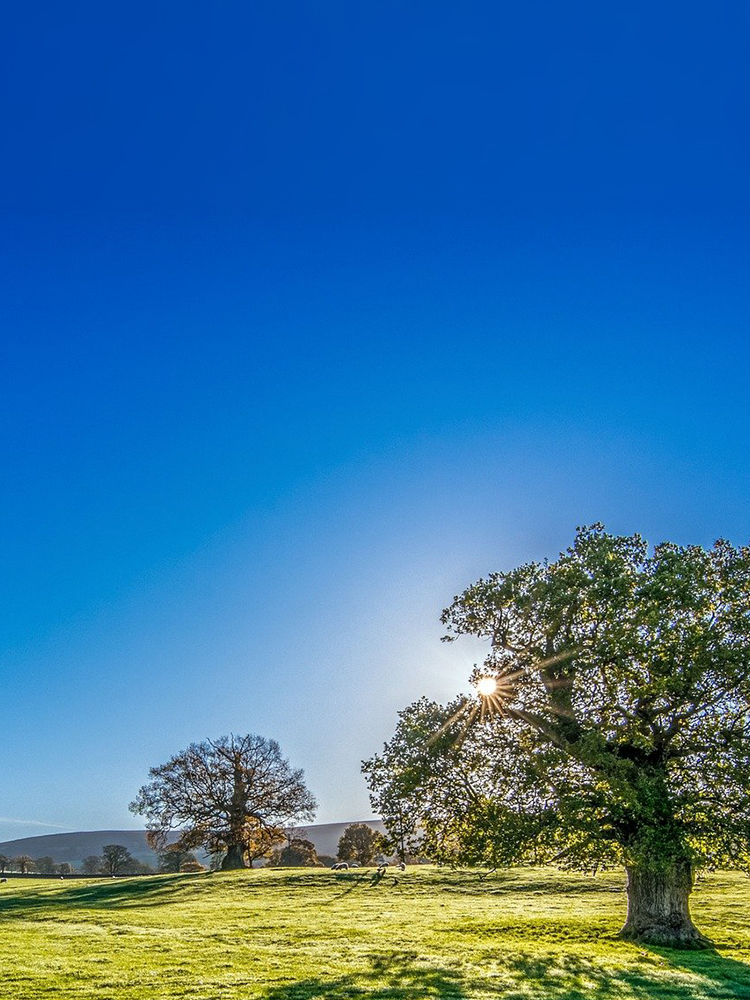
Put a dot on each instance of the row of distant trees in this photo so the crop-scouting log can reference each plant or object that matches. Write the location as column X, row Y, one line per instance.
column 115, row 859
column 359, row 843
column 24, row 864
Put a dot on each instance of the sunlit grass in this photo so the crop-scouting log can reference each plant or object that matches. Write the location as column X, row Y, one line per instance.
column 301, row 934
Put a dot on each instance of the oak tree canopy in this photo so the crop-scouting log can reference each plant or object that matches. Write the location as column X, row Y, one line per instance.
column 617, row 731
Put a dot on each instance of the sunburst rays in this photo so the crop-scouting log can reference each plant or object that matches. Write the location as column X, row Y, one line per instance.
column 496, row 690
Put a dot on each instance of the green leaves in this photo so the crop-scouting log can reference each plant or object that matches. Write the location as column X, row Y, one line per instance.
column 624, row 680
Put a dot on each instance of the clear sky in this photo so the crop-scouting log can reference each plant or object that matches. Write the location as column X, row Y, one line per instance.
column 314, row 312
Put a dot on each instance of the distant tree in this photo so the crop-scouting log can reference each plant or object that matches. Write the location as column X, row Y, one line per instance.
column 300, row 853
column 117, row 860
column 359, row 842
column 138, row 867
column 171, row 859
column 66, row 869
column 234, row 793
column 23, row 863
column 192, row 866
column 4, row 862
column 326, row 860
column 92, row 865
column 46, row 865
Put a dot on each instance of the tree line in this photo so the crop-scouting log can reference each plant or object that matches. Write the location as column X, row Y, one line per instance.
column 359, row 844
column 115, row 859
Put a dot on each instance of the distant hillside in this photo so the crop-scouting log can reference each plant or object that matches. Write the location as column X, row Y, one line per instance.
column 74, row 847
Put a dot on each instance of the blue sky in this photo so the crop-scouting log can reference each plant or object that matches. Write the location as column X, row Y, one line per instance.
column 314, row 313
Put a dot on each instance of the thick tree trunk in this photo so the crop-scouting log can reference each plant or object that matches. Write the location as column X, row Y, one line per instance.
column 658, row 907
column 235, row 858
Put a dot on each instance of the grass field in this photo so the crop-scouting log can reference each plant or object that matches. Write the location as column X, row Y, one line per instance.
column 299, row 934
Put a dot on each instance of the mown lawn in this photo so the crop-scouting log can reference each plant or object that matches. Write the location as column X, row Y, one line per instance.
column 301, row 934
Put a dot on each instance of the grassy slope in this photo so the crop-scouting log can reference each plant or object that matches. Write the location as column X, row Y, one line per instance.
column 296, row 935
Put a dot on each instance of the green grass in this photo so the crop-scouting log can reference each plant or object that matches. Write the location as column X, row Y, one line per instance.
column 301, row 934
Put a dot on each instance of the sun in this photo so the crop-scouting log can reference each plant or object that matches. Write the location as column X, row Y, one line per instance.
column 486, row 686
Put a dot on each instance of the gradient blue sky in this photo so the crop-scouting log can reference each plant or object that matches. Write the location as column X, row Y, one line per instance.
column 315, row 312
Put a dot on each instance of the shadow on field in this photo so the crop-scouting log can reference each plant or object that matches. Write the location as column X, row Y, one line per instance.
column 390, row 977
column 557, row 977
column 570, row 977
column 492, row 884
column 119, row 892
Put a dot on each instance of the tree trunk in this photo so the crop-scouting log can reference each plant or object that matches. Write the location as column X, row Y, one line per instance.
column 234, row 858
column 659, row 907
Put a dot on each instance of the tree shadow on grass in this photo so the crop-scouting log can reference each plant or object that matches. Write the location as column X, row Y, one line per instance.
column 397, row 976
column 659, row 975
column 501, row 884
column 362, row 880
column 729, row 973
column 107, row 894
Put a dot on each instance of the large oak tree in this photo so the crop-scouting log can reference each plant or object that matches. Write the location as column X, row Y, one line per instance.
column 617, row 730
column 231, row 794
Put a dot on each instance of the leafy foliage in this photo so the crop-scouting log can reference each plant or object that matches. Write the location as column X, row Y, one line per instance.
column 452, row 783
column 298, row 853
column 619, row 728
column 359, row 842
column 192, row 866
